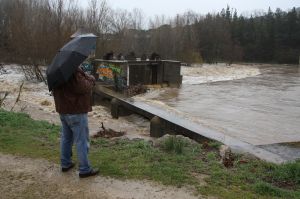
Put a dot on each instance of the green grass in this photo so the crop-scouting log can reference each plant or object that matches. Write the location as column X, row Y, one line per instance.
column 175, row 162
column 20, row 135
column 172, row 144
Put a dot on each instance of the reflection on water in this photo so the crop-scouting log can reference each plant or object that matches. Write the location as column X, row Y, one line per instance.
column 263, row 109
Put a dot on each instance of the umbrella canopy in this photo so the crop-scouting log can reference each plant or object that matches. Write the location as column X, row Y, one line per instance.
column 80, row 32
column 68, row 58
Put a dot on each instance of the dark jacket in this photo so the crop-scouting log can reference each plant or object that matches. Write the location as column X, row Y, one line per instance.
column 74, row 97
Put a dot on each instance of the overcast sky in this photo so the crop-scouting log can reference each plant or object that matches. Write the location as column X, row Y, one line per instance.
column 173, row 7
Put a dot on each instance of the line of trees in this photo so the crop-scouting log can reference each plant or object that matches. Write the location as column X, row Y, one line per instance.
column 31, row 32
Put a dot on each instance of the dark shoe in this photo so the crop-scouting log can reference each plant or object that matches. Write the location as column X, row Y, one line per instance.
column 93, row 172
column 67, row 168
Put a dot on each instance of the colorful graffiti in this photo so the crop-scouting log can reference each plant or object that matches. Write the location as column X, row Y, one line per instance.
column 87, row 67
column 108, row 72
column 105, row 73
column 112, row 74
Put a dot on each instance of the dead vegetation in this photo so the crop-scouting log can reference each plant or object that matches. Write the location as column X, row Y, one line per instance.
column 3, row 96
column 108, row 133
column 33, row 72
column 18, row 97
column 135, row 90
column 46, row 103
column 226, row 156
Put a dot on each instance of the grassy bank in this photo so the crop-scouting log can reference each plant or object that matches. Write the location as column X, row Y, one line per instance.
column 172, row 162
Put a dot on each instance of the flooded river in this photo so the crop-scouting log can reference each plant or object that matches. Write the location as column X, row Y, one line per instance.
column 257, row 104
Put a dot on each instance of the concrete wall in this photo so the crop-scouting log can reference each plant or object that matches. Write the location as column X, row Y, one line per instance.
column 171, row 73
column 155, row 72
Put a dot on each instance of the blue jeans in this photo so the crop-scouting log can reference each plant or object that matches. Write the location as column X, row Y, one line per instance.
column 75, row 129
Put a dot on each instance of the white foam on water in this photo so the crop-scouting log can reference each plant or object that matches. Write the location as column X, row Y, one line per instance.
column 214, row 73
column 33, row 92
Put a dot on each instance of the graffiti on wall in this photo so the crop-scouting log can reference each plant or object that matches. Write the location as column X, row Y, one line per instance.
column 105, row 73
column 108, row 72
column 112, row 74
column 87, row 67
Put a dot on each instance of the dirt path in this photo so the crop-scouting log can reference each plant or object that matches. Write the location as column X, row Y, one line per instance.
column 35, row 178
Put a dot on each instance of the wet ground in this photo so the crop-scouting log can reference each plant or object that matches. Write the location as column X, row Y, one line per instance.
column 35, row 178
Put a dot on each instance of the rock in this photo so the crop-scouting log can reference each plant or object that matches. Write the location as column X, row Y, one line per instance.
column 157, row 142
column 224, row 151
column 226, row 156
column 186, row 139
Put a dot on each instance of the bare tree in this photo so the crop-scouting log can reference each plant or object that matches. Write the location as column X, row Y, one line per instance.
column 158, row 21
column 98, row 16
column 120, row 21
column 137, row 19
column 98, row 20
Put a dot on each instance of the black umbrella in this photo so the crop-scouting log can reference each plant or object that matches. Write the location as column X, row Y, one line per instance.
column 69, row 57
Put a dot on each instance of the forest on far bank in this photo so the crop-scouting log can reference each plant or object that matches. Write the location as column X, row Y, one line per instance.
column 31, row 32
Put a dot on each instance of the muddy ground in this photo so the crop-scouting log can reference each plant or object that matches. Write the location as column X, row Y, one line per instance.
column 35, row 178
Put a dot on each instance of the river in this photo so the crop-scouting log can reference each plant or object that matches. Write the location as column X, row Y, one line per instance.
column 257, row 104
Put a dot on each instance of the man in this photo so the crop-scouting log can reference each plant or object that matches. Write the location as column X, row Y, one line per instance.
column 73, row 102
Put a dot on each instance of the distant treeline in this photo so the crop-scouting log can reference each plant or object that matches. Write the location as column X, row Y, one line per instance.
column 31, row 31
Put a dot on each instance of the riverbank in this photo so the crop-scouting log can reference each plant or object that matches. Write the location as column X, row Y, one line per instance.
column 197, row 169
column 172, row 161
column 36, row 100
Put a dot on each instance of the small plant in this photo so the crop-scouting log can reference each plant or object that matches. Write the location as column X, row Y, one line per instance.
column 174, row 144
column 178, row 146
column 142, row 145
column 214, row 144
column 169, row 144
column 211, row 156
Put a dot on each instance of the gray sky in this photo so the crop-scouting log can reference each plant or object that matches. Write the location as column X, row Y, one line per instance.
column 172, row 7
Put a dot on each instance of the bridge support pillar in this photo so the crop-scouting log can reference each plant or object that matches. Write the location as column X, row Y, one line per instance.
column 156, row 127
column 114, row 108
column 117, row 110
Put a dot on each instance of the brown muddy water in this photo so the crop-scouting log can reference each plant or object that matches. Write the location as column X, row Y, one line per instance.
column 261, row 108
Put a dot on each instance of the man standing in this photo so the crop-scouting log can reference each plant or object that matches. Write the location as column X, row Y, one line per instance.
column 73, row 102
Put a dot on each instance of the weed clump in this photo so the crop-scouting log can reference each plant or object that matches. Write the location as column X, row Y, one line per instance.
column 174, row 144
